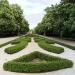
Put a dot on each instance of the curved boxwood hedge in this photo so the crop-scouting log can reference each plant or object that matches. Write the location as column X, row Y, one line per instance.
column 47, row 45
column 63, row 44
column 27, row 65
column 19, row 44
column 50, row 48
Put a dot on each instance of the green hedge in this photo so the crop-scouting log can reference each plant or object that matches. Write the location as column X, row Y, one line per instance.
column 51, row 48
column 49, row 41
column 37, row 39
column 66, row 45
column 20, row 44
column 24, row 63
column 63, row 44
column 24, row 38
column 47, row 45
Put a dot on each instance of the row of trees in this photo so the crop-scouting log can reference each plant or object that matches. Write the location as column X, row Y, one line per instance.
column 12, row 21
column 59, row 20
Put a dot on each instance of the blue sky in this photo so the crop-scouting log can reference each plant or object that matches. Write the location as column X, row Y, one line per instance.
column 34, row 9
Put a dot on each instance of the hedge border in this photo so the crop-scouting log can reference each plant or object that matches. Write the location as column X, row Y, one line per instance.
column 21, row 64
column 48, row 46
column 4, row 44
column 23, row 42
column 63, row 44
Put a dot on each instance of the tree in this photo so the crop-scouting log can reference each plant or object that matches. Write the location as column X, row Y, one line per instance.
column 59, row 21
column 12, row 21
column 7, row 24
column 22, row 24
column 68, row 1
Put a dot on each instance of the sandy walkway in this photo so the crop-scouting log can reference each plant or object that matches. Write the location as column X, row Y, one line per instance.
column 69, row 54
column 4, row 40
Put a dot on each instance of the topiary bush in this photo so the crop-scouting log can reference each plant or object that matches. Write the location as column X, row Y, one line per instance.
column 19, row 44
column 26, row 63
column 47, row 45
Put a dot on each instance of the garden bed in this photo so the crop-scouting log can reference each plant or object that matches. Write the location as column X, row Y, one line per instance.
column 19, row 44
column 37, row 62
column 48, row 45
column 63, row 44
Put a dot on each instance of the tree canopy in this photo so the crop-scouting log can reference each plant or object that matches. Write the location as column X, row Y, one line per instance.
column 59, row 21
column 12, row 21
column 68, row 1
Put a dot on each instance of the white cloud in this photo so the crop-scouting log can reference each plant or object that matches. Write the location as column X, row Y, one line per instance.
column 34, row 9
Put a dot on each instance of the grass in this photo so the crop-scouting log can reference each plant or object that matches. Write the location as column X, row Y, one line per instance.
column 48, row 45
column 37, row 62
column 19, row 44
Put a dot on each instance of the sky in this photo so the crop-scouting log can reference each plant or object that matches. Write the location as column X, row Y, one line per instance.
column 34, row 9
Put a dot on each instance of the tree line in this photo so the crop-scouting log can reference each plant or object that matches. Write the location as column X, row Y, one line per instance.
column 59, row 20
column 12, row 21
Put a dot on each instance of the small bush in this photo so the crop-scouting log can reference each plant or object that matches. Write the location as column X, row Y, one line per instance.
column 19, row 45
column 23, row 64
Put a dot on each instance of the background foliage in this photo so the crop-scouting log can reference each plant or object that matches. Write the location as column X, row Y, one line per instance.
column 59, row 20
column 12, row 21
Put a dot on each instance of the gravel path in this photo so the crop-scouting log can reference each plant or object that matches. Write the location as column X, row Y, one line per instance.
column 4, row 40
column 32, row 46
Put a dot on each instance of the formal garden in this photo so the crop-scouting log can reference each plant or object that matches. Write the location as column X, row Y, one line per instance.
column 35, row 61
column 33, row 51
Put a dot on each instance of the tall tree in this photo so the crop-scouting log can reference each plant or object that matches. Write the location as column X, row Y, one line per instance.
column 12, row 21
column 59, row 20
column 22, row 24
column 68, row 1
column 7, row 24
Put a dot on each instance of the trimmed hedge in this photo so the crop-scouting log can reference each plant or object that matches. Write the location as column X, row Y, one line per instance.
column 63, row 44
column 47, row 45
column 20, row 44
column 24, row 63
column 37, row 39
column 50, row 48
column 66, row 45
column 49, row 41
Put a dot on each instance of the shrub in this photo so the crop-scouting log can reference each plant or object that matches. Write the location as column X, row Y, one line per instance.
column 50, row 48
column 26, row 64
column 19, row 45
column 38, row 39
column 14, row 49
column 49, row 41
column 63, row 44
column 46, row 44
